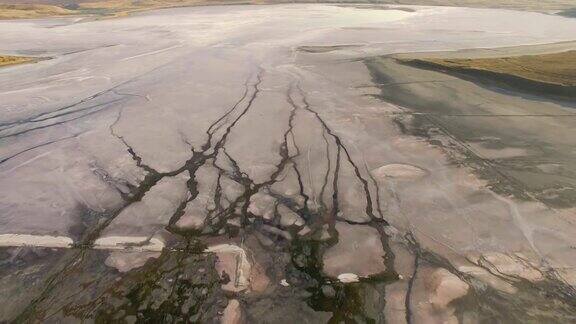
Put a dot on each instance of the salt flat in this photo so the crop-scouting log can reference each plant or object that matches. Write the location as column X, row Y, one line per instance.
column 260, row 127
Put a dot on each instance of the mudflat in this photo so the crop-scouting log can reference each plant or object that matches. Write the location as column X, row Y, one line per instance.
column 17, row 9
column 281, row 164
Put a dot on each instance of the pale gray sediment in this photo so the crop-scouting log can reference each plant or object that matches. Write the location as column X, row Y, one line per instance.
column 150, row 140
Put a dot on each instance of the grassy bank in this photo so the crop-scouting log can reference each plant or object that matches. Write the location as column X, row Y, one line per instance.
column 552, row 74
column 21, row 11
column 106, row 8
column 11, row 60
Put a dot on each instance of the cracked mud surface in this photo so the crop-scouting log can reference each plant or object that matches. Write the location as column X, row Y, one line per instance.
column 190, row 166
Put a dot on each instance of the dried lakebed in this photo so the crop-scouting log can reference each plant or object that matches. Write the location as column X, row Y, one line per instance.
column 247, row 164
